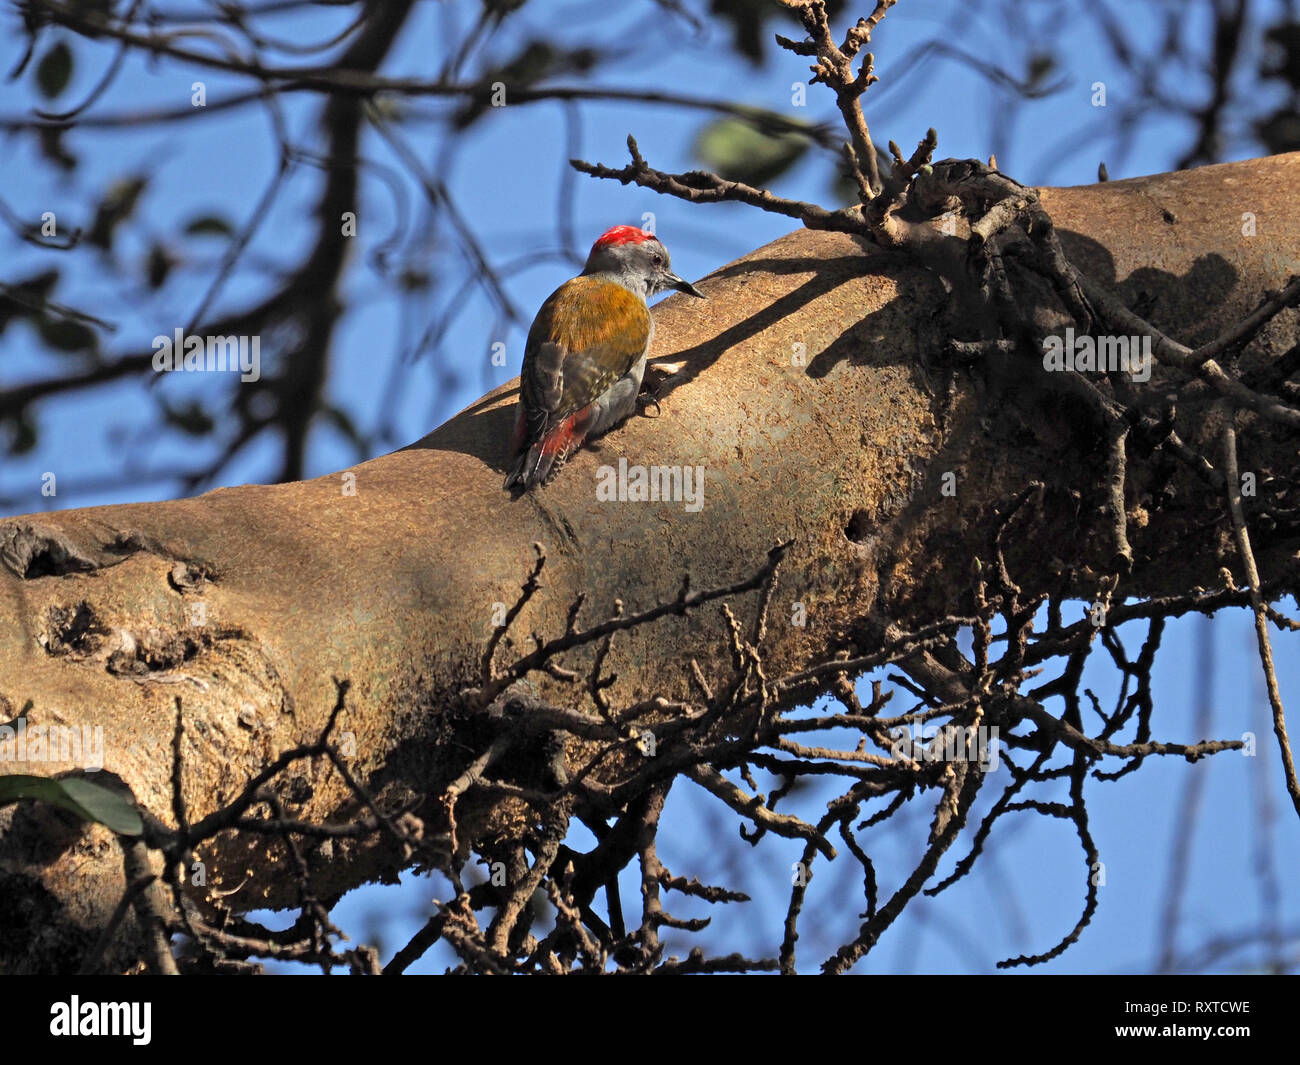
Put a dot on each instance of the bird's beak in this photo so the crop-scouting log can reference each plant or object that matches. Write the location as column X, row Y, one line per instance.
column 673, row 281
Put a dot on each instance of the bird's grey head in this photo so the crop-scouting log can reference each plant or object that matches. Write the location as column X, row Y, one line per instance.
column 636, row 260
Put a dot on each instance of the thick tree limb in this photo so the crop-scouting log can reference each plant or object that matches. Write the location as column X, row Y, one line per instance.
column 813, row 395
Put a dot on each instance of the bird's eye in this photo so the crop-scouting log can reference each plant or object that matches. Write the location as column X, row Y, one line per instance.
column 658, row 259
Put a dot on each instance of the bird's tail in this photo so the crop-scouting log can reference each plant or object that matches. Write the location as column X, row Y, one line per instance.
column 546, row 454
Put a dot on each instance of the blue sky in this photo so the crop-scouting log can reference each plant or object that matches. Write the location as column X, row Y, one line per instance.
column 507, row 177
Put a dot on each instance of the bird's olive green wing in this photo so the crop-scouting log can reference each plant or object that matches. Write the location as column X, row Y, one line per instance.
column 595, row 330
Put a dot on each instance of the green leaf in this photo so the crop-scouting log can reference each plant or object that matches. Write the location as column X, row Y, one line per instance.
column 191, row 419
column 748, row 19
column 1040, row 65
column 25, row 298
column 738, row 150
column 116, row 207
column 90, row 802
column 535, row 62
column 110, row 808
column 158, row 266
column 54, row 70
column 209, row 225
column 843, row 189
column 63, row 334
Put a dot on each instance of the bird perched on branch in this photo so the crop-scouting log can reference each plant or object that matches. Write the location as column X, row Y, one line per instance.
column 586, row 352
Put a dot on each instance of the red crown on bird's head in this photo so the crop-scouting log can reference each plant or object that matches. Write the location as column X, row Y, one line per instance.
column 622, row 235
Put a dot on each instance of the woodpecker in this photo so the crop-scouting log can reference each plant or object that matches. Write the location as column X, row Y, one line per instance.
column 586, row 351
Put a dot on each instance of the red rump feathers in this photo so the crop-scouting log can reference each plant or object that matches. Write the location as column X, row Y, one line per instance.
column 622, row 235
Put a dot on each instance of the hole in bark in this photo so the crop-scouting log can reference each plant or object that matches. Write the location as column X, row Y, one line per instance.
column 74, row 630
column 29, row 553
column 158, row 651
column 859, row 527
